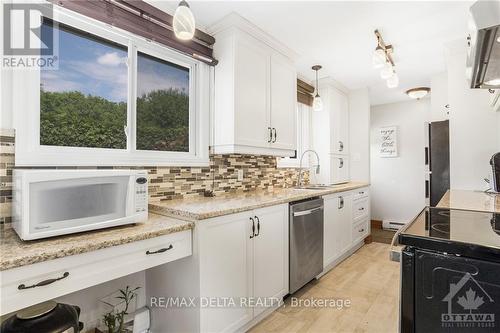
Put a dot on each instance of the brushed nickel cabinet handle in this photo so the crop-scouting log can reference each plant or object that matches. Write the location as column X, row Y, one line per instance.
column 170, row 247
column 270, row 135
column 43, row 283
column 275, row 135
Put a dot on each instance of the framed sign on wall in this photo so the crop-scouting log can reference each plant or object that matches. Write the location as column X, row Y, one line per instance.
column 388, row 141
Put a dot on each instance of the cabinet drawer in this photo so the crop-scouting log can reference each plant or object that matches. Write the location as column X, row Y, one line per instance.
column 360, row 193
column 360, row 230
column 360, row 208
column 32, row 284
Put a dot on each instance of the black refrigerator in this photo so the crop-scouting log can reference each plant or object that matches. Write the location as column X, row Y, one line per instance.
column 437, row 158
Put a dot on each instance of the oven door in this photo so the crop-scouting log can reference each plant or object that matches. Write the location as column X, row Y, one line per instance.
column 77, row 204
column 455, row 294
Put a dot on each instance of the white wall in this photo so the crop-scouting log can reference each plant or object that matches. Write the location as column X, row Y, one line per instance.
column 398, row 184
column 439, row 97
column 359, row 135
column 474, row 128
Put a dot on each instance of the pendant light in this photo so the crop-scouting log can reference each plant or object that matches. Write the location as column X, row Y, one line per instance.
column 317, row 101
column 183, row 24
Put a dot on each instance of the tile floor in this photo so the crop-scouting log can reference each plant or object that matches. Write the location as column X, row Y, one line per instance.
column 367, row 278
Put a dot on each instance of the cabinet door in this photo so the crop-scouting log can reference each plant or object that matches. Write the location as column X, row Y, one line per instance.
column 251, row 93
column 338, row 226
column 340, row 122
column 226, row 270
column 283, row 103
column 339, row 169
column 331, row 247
column 344, row 236
column 270, row 254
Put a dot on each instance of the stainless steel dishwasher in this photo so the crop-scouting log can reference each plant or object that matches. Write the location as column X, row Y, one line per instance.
column 306, row 241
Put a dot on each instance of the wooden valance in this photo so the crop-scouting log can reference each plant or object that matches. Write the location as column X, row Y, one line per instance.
column 145, row 20
column 305, row 93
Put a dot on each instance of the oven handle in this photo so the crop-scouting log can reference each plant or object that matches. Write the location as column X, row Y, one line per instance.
column 307, row 212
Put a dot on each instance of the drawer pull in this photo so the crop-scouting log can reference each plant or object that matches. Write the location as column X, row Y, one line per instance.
column 43, row 283
column 362, row 208
column 362, row 230
column 361, row 192
column 170, row 247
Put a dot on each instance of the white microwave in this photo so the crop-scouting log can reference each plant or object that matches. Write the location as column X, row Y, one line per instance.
column 50, row 203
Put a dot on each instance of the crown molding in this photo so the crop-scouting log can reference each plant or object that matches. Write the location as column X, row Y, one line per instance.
column 234, row 20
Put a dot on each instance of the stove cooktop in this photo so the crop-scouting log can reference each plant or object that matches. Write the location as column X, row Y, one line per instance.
column 455, row 231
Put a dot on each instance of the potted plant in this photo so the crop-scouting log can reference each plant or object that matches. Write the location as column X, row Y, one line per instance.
column 114, row 320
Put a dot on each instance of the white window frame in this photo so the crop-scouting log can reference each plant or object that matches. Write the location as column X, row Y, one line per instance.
column 303, row 114
column 26, row 108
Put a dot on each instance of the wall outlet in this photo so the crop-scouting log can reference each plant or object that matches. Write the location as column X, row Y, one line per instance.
column 240, row 174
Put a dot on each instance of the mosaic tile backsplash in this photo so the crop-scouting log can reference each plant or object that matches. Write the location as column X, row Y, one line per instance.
column 166, row 183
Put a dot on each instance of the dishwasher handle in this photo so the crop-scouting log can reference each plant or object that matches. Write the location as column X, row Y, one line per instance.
column 307, row 212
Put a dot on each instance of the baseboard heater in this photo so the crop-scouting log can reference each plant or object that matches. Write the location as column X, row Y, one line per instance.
column 392, row 225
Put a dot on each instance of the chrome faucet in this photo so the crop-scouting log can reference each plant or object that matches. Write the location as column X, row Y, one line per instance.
column 299, row 183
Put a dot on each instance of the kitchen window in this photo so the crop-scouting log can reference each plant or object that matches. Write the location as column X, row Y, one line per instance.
column 115, row 99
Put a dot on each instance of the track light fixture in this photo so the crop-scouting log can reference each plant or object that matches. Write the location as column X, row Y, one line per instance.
column 382, row 60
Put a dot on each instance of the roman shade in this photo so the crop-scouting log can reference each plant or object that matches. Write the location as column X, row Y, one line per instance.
column 145, row 20
column 304, row 93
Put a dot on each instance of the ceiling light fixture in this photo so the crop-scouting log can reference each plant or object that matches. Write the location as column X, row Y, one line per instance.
column 184, row 24
column 418, row 93
column 393, row 81
column 317, row 102
column 382, row 60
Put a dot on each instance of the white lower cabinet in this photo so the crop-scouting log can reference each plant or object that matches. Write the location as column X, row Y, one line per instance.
column 346, row 224
column 244, row 257
column 226, row 270
column 238, row 260
column 270, row 255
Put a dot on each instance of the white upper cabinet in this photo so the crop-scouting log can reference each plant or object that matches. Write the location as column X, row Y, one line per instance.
column 251, row 94
column 255, row 92
column 340, row 122
column 283, row 103
column 331, row 134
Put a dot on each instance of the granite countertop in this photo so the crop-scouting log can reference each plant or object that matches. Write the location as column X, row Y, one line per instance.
column 470, row 200
column 15, row 253
column 200, row 208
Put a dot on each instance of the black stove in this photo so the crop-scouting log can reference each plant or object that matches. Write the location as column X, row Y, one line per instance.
column 450, row 271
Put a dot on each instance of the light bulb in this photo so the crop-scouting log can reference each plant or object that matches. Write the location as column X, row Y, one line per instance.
column 379, row 57
column 393, row 81
column 387, row 71
column 376, row 61
column 183, row 24
column 317, row 103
